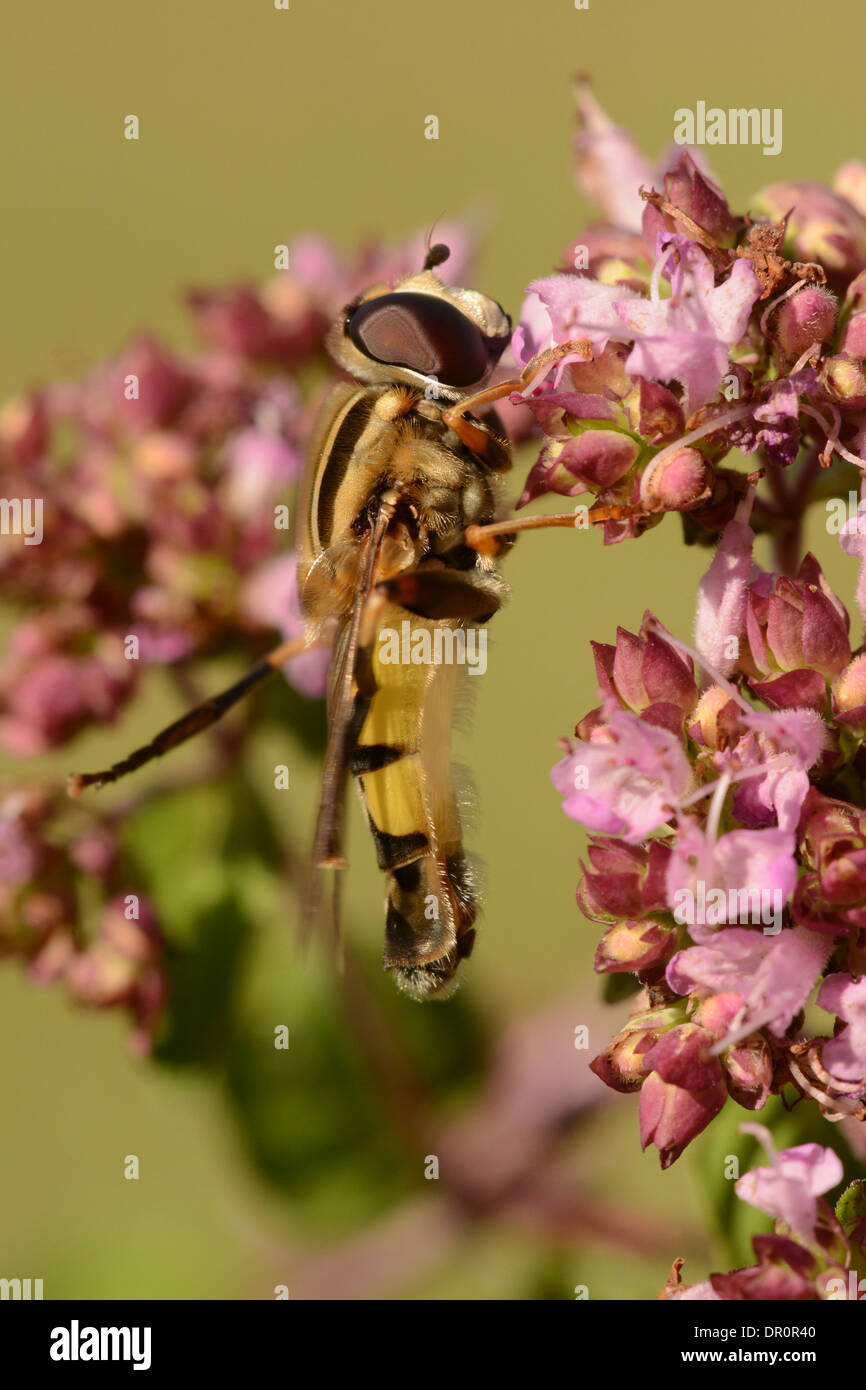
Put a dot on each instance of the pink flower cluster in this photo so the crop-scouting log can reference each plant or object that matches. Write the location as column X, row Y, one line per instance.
column 728, row 860
column 815, row 1252
column 695, row 331
column 52, row 857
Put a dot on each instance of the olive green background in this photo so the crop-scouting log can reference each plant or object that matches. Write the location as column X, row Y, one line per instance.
column 258, row 124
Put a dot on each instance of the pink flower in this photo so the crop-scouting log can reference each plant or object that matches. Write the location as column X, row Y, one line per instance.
column 751, row 861
column 778, row 795
column 789, row 743
column 610, row 166
column 799, row 734
column 723, row 598
column 687, row 337
column 627, row 779
column 564, row 308
column 51, row 698
column 122, row 965
column 788, row 1190
column 845, row 1055
column 773, row 975
column 260, row 463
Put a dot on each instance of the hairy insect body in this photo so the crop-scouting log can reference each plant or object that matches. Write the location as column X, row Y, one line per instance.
column 391, row 443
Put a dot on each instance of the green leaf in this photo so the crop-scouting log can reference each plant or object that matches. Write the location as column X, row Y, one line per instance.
column 851, row 1206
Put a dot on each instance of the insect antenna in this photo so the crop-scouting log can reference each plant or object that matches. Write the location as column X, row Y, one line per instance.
column 438, row 254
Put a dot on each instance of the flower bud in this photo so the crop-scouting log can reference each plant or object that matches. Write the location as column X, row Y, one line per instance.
column 799, row 624
column 660, row 414
column 804, row 318
column 683, row 1057
column 44, row 911
column 717, row 1012
column 704, row 720
column 849, row 695
column 749, row 1072
column 598, row 458
column 590, row 459
column 784, row 1272
column 637, row 946
column 24, row 427
column 690, row 190
column 844, row 380
column 641, row 671
column 165, row 454
column 822, row 226
column 672, row 1116
column 623, row 880
column 95, row 852
column 825, row 823
column 107, row 972
column 622, row 1065
column 53, row 960
column 832, row 845
column 799, row 689
column 165, row 387
column 681, row 482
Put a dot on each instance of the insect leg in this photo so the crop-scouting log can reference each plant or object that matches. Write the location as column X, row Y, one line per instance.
column 191, row 723
column 483, row 538
column 443, row 593
column 475, row 436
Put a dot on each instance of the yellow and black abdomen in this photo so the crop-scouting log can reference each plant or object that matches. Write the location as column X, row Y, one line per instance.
column 402, row 765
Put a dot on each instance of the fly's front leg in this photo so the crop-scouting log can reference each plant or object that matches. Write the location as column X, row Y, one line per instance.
column 484, row 444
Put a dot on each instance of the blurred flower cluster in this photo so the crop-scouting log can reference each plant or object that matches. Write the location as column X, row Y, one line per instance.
column 696, row 331
column 728, row 860
column 59, row 868
column 815, row 1252
column 167, row 486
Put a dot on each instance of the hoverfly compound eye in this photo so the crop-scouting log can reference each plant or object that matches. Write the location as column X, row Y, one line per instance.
column 424, row 334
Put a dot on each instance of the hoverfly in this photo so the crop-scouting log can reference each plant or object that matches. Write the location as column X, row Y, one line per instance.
column 400, row 474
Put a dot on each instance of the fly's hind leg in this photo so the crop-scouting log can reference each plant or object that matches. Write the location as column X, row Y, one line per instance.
column 196, row 720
